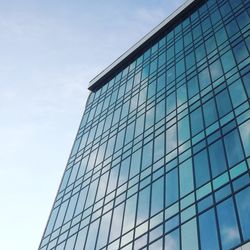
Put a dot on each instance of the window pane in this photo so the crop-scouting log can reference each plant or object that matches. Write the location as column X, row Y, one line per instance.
column 171, row 140
column 147, row 155
column 104, row 230
column 115, row 230
column 143, row 205
column 204, row 78
column 243, row 206
column 92, row 233
column 229, row 232
column 171, row 103
column 208, row 231
column 245, row 135
column 181, row 95
column 193, row 87
column 149, row 118
column 159, row 147
column 183, row 130
column 237, row 93
column 157, row 196
column 210, row 113
column 233, row 148
column 160, row 111
column 217, row 158
column 81, row 239
column 172, row 187
column 113, row 179
column 135, row 163
column 201, row 168
column 129, row 214
column 223, row 103
column 186, row 177
column 189, row 239
column 240, row 52
column 216, row 70
column 196, row 121
column 172, row 240
column 228, row 61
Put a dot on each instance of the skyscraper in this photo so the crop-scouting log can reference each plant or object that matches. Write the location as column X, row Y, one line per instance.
column 162, row 155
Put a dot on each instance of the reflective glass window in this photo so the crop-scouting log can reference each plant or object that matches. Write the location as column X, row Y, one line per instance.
column 201, row 168
column 129, row 214
column 186, row 177
column 223, row 103
column 147, row 155
column 229, row 231
column 183, row 130
column 103, row 232
column 196, row 121
column 157, row 197
column 172, row 187
column 143, row 205
column 210, row 113
column 233, row 147
column 189, row 238
column 245, row 135
column 172, row 240
column 171, row 139
column 208, row 231
column 217, row 158
column 243, row 206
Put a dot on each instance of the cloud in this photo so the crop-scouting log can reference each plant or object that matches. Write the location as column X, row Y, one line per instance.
column 230, row 234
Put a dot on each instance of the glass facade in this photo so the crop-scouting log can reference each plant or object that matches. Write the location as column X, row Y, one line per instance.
column 162, row 156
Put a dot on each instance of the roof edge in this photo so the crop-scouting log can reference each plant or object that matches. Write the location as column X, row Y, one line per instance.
column 125, row 57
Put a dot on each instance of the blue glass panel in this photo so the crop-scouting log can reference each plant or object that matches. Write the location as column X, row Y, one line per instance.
column 201, row 168
column 189, row 238
column 186, row 177
column 245, row 135
column 113, row 177
column 147, row 155
column 183, row 130
column 159, row 147
column 172, row 187
column 172, row 240
column 210, row 113
column 160, row 111
column 193, row 87
column 103, row 232
column 208, row 231
column 171, row 103
column 196, row 121
column 157, row 197
column 229, row 231
column 124, row 170
column 116, row 225
column 223, row 103
column 216, row 70
column 243, row 206
column 171, row 139
column 233, row 148
column 228, row 61
column 135, row 163
column 143, row 205
column 181, row 95
column 217, row 158
column 204, row 78
column 92, row 233
column 237, row 93
column 129, row 214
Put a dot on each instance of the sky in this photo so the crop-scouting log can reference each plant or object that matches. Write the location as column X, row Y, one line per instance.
column 49, row 51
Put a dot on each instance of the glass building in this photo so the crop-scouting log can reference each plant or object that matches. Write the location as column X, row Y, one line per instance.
column 162, row 155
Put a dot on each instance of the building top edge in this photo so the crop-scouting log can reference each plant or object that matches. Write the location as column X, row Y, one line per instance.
column 96, row 81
